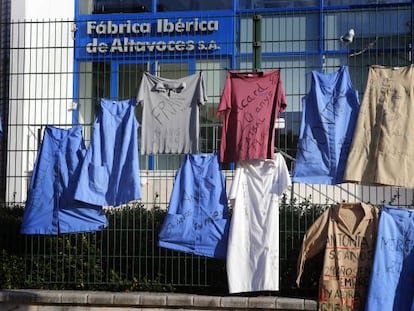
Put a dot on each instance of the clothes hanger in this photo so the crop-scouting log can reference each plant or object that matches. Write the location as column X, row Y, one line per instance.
column 252, row 73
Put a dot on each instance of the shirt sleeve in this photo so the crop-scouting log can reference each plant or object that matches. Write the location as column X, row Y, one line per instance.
column 202, row 90
column 225, row 100
column 313, row 242
column 282, row 179
column 235, row 184
column 141, row 90
column 281, row 97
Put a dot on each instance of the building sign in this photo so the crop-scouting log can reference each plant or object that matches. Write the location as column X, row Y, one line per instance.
column 165, row 35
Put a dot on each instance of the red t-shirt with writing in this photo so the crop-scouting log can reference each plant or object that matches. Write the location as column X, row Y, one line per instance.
column 250, row 103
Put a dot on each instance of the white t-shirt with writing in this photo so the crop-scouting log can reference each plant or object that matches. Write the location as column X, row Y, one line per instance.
column 170, row 117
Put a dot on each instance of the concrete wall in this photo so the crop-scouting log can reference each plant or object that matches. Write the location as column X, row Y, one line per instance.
column 41, row 81
column 157, row 186
column 44, row 300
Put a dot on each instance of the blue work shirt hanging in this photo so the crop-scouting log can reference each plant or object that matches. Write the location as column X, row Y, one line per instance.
column 391, row 285
column 329, row 115
column 50, row 206
column 197, row 219
column 110, row 172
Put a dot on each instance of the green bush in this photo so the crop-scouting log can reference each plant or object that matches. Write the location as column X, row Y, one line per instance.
column 125, row 256
column 11, row 271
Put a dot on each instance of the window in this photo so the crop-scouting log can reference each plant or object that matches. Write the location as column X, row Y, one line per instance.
column 359, row 2
column 262, row 4
column 192, row 5
column 112, row 6
column 142, row 6
column 94, row 83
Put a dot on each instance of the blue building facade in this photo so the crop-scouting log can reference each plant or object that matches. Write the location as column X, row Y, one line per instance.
column 116, row 41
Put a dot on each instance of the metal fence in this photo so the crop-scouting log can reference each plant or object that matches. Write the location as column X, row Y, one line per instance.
column 39, row 71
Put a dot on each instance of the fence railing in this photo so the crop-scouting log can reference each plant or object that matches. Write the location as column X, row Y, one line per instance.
column 125, row 256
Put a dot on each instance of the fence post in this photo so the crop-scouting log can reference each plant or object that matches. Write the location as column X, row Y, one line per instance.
column 257, row 41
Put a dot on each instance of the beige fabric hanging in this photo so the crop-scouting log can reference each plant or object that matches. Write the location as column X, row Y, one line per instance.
column 382, row 151
column 346, row 233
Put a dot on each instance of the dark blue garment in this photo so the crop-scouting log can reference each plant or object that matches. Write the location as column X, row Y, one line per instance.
column 197, row 220
column 392, row 277
column 110, row 172
column 1, row 129
column 329, row 115
column 50, row 206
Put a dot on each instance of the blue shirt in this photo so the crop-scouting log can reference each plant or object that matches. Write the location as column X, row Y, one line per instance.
column 110, row 171
column 50, row 207
column 392, row 277
column 197, row 219
column 329, row 115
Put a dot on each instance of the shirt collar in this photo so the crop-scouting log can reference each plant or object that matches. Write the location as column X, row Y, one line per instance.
column 176, row 87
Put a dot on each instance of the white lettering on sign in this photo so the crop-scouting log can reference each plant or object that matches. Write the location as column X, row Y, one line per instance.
column 126, row 45
column 159, row 27
column 164, row 25
column 109, row 28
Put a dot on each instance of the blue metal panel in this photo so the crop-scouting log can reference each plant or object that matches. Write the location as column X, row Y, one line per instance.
column 322, row 34
column 75, row 91
column 114, row 79
column 75, row 112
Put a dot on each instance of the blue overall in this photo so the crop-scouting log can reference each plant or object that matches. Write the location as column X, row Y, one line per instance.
column 329, row 115
column 50, row 206
column 197, row 220
column 392, row 277
column 110, row 172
